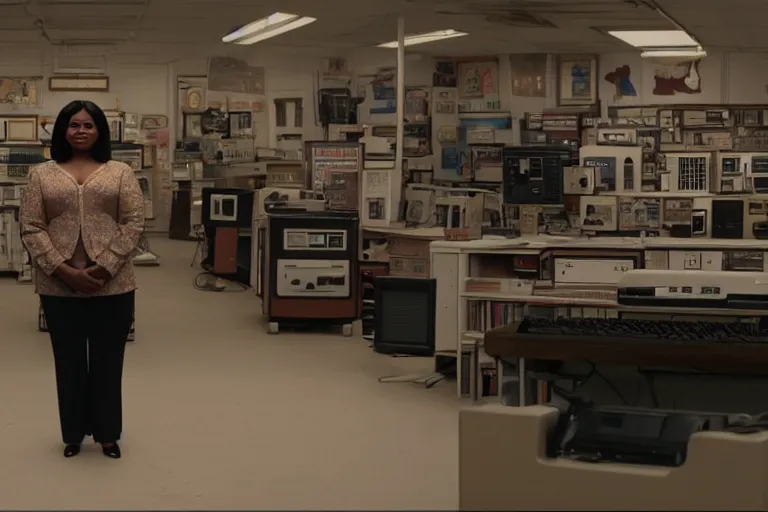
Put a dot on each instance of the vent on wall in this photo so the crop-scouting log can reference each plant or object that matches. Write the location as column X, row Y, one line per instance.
column 80, row 65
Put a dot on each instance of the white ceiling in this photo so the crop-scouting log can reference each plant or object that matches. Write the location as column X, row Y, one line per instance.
column 167, row 30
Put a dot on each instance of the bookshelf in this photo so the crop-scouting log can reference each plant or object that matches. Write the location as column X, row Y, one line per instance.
column 483, row 284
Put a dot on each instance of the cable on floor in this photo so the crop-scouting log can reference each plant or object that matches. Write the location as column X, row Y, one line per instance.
column 208, row 282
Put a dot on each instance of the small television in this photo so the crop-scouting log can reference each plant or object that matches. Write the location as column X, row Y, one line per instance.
column 227, row 207
column 404, row 316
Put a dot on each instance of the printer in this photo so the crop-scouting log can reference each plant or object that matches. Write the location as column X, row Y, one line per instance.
column 628, row 435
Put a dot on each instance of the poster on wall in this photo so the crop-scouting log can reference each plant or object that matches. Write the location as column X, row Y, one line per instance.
column 478, row 84
column 577, row 80
column 598, row 214
column 226, row 74
column 334, row 75
column 380, row 91
column 455, row 161
column 529, row 74
column 444, row 74
column 678, row 78
column 621, row 79
column 22, row 91
column 639, row 213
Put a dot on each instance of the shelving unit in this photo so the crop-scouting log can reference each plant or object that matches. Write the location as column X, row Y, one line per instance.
column 16, row 159
column 483, row 284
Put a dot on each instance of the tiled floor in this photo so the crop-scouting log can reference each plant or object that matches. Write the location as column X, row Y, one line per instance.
column 220, row 415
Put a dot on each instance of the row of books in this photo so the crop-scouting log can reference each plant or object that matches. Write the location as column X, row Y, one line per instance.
column 483, row 315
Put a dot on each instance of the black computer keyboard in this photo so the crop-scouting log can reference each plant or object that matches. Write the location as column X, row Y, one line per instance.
column 745, row 332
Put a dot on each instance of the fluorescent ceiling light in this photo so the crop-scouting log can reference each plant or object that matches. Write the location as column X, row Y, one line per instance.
column 266, row 28
column 655, row 38
column 692, row 53
column 426, row 38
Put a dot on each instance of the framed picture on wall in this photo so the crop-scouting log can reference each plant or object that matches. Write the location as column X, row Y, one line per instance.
column 576, row 80
column 478, row 79
column 21, row 91
column 193, row 126
column 529, row 74
column 191, row 96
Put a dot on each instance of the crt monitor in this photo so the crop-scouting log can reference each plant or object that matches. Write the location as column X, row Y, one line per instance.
column 404, row 317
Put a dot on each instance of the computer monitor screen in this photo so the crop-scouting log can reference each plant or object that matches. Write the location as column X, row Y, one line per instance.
column 404, row 316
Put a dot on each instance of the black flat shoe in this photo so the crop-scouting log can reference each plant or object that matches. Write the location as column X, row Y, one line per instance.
column 112, row 451
column 71, row 450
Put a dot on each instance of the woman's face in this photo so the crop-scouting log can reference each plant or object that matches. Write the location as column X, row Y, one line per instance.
column 82, row 132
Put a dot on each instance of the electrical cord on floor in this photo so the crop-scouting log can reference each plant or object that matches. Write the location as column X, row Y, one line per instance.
column 208, row 282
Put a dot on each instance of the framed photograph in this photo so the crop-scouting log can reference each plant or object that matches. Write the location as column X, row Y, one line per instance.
column 115, row 120
column 447, row 134
column 130, row 127
column 577, row 80
column 79, row 83
column 599, row 213
column 131, row 120
column 529, row 74
column 19, row 128
column 21, row 91
column 193, row 126
column 445, row 107
column 152, row 122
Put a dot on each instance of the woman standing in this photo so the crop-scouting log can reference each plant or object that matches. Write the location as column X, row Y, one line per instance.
column 81, row 218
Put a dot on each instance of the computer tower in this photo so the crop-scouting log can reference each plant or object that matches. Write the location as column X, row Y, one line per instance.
column 728, row 218
column 225, row 212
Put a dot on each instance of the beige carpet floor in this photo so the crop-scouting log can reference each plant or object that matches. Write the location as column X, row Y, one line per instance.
column 220, row 415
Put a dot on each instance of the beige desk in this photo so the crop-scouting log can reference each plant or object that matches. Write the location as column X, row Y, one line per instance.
column 502, row 466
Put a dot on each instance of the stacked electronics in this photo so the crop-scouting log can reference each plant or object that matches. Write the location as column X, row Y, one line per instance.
column 15, row 163
column 532, row 188
column 679, row 171
column 334, row 171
